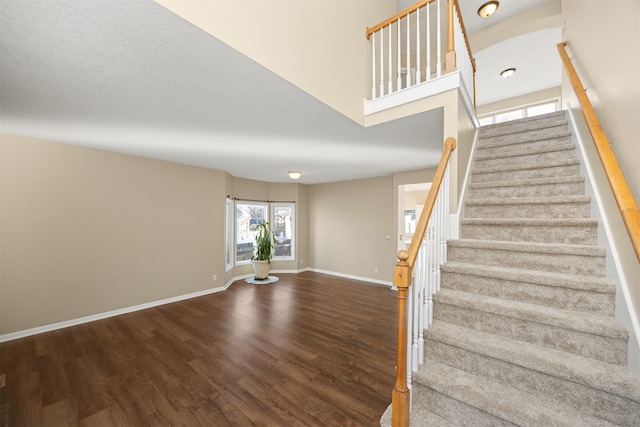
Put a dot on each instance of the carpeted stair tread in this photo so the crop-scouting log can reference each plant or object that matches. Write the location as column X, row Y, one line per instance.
column 543, row 278
column 540, row 143
column 549, row 222
column 579, row 231
column 529, row 207
column 609, row 378
column 524, row 137
column 535, row 181
column 564, row 146
column 503, row 402
column 529, row 123
column 534, row 166
column 589, row 294
column 532, row 247
column 529, row 200
column 536, row 187
column 589, row 323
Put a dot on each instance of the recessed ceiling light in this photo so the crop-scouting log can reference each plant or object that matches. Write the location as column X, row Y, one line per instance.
column 488, row 9
column 507, row 73
column 294, row 174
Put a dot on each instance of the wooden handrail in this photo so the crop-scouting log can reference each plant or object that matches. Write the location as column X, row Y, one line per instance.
column 466, row 37
column 402, row 280
column 621, row 192
column 449, row 145
column 407, row 10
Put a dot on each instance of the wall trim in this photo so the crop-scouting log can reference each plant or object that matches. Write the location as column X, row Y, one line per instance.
column 350, row 276
column 92, row 318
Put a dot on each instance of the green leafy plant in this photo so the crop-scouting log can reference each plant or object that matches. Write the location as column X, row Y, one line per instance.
column 265, row 243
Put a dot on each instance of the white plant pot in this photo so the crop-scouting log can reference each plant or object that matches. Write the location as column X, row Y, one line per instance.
column 261, row 269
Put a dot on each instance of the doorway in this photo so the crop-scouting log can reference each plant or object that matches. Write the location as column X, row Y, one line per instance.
column 411, row 198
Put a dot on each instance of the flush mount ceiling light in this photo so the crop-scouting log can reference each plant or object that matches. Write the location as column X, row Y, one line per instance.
column 507, row 73
column 488, row 9
column 294, row 174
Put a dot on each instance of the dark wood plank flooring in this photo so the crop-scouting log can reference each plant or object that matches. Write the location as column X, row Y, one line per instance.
column 309, row 350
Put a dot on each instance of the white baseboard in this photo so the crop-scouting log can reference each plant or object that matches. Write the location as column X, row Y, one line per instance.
column 107, row 314
column 349, row 276
column 86, row 319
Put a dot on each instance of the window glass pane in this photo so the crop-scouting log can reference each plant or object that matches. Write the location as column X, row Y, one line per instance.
column 248, row 216
column 541, row 109
column 283, row 226
column 510, row 115
column 486, row 121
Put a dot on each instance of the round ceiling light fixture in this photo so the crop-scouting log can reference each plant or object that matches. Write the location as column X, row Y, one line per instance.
column 505, row 74
column 488, row 9
column 294, row 174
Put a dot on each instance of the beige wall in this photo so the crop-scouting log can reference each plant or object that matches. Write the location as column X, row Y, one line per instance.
column 85, row 231
column 327, row 56
column 604, row 44
column 348, row 227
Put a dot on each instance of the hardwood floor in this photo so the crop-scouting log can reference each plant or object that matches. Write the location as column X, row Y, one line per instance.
column 309, row 350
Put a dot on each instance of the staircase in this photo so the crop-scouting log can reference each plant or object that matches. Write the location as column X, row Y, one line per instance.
column 524, row 331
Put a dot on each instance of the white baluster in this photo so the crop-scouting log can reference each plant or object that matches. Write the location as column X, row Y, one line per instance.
column 381, row 61
column 373, row 67
column 421, row 306
column 428, row 69
column 438, row 43
column 418, row 74
column 390, row 89
column 399, row 82
column 408, row 51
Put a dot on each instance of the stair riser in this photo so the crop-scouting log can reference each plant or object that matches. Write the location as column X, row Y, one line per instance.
column 551, row 296
column 545, row 190
column 524, row 159
column 479, row 209
column 552, row 262
column 582, row 235
column 528, row 136
column 607, row 349
column 454, row 410
column 499, row 148
column 511, row 175
column 585, row 399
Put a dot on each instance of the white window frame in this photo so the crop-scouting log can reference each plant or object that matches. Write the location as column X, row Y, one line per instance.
column 292, row 206
column 238, row 229
column 229, row 237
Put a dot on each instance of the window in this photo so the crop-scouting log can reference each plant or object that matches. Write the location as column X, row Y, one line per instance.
column 529, row 110
column 228, row 238
column 283, row 226
column 248, row 216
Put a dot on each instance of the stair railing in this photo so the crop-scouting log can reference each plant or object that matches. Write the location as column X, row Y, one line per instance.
column 419, row 31
column 622, row 193
column 420, row 265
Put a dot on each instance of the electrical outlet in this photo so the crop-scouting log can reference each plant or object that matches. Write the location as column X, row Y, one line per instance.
column 301, row 261
column 376, row 270
column 215, row 277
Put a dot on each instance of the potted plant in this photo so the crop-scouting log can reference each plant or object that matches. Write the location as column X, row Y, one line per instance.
column 263, row 251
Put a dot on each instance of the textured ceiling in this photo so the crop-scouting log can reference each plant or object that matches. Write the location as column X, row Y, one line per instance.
column 131, row 77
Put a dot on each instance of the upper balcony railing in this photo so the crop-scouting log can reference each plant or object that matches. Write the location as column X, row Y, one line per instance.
column 418, row 44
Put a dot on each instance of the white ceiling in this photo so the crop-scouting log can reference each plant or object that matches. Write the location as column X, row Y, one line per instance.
column 131, row 77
